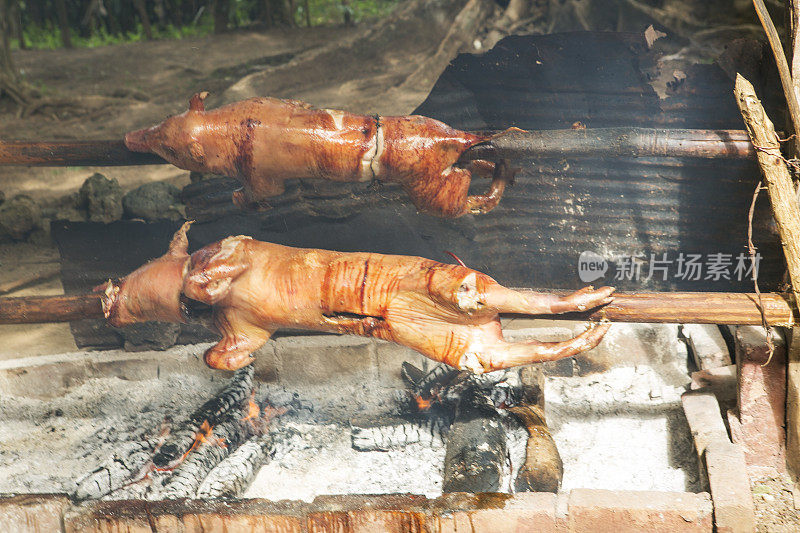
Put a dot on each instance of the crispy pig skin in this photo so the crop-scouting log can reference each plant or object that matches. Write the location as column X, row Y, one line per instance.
column 449, row 313
column 262, row 142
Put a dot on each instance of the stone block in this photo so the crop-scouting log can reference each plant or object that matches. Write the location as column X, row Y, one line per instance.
column 705, row 422
column 758, row 423
column 635, row 511
column 316, row 359
column 389, row 358
column 709, row 348
column 730, row 488
column 721, row 381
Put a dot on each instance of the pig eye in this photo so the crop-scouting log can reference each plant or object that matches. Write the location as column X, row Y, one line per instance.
column 170, row 151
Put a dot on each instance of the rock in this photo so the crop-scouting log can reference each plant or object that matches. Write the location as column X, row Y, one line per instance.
column 101, row 197
column 150, row 336
column 19, row 218
column 709, row 348
column 153, row 201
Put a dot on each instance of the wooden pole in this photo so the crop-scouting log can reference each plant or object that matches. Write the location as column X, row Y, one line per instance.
column 616, row 142
column 663, row 307
column 73, row 153
column 692, row 308
column 41, row 309
column 783, row 198
column 776, row 176
column 600, row 142
column 793, row 348
column 783, row 67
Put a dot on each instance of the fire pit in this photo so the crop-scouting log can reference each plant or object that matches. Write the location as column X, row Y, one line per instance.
column 368, row 431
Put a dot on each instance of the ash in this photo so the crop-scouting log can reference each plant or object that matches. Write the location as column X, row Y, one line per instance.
column 621, row 429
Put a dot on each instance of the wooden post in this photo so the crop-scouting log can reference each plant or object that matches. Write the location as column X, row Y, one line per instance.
column 658, row 307
column 776, row 175
column 793, row 348
column 783, row 198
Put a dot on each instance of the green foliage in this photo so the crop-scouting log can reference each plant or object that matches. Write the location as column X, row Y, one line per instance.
column 332, row 11
column 50, row 38
column 243, row 13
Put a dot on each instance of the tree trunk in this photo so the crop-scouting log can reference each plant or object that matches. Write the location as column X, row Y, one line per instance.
column 268, row 16
column 220, row 10
column 517, row 10
column 16, row 17
column 63, row 24
column 347, row 13
column 10, row 83
column 307, row 9
column 142, row 10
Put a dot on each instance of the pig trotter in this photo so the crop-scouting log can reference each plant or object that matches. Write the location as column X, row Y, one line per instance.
column 503, row 175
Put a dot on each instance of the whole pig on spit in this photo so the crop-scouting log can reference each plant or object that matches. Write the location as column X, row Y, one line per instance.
column 262, row 142
column 246, row 289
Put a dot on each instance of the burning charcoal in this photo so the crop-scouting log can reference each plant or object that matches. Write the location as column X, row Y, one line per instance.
column 231, row 477
column 120, row 469
column 232, row 397
column 427, row 384
column 190, row 473
column 386, row 434
column 543, row 469
column 476, row 446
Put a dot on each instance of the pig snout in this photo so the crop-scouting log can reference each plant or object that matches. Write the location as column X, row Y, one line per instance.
column 137, row 140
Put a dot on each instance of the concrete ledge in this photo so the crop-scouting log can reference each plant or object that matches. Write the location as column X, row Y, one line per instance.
column 49, row 376
column 32, row 512
column 633, row 511
column 704, row 416
column 734, row 511
column 580, row 511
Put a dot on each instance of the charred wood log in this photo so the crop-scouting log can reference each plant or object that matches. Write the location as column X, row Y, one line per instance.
column 122, row 467
column 232, row 397
column 475, row 460
column 426, row 385
column 190, row 473
column 389, row 433
column 231, row 477
column 543, row 468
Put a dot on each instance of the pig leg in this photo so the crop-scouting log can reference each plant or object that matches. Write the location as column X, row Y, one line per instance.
column 239, row 340
column 475, row 294
column 499, row 354
column 502, row 174
column 506, row 300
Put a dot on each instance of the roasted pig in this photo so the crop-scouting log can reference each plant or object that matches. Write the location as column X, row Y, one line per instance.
column 248, row 289
column 262, row 142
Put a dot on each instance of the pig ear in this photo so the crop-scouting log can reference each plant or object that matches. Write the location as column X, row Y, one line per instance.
column 179, row 245
column 196, row 102
column 197, row 152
